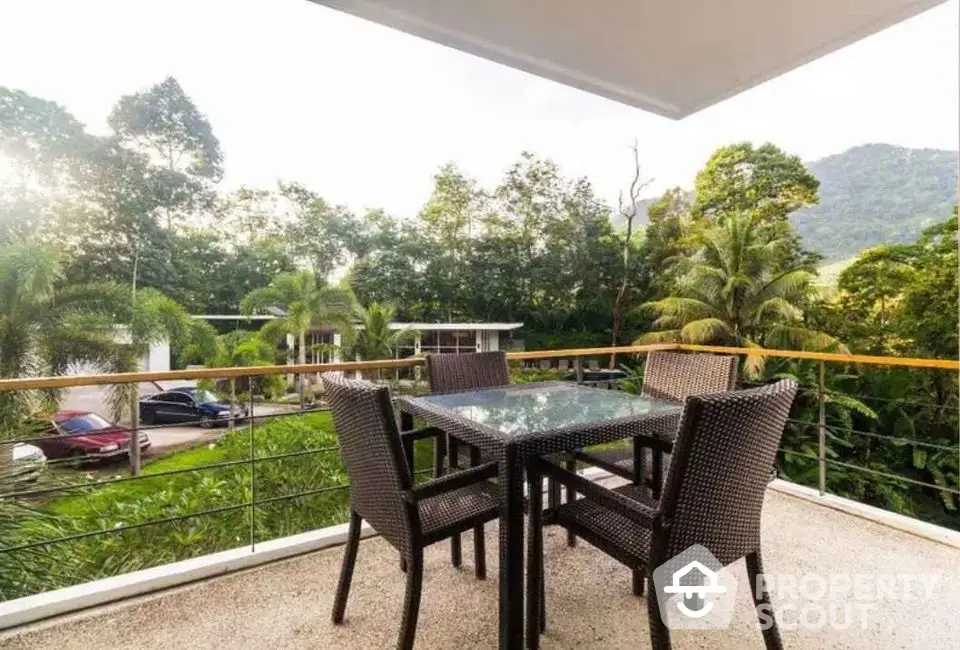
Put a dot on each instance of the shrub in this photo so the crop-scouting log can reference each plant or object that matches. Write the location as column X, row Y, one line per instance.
column 155, row 504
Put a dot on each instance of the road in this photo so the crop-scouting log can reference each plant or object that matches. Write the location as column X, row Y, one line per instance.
column 92, row 398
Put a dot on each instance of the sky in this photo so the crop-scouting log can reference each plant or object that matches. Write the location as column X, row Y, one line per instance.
column 364, row 114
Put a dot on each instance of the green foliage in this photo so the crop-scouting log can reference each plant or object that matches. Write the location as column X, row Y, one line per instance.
column 734, row 294
column 876, row 194
column 763, row 180
column 301, row 302
column 374, row 339
column 497, row 254
column 164, row 497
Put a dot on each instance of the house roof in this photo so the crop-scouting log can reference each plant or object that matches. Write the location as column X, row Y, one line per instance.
column 671, row 58
column 460, row 327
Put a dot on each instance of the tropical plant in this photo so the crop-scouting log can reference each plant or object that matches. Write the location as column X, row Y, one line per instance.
column 374, row 338
column 44, row 328
column 243, row 348
column 734, row 295
column 150, row 318
column 300, row 302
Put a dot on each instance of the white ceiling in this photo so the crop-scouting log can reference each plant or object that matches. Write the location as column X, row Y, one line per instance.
column 671, row 57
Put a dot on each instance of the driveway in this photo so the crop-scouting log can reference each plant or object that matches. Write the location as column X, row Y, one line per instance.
column 164, row 439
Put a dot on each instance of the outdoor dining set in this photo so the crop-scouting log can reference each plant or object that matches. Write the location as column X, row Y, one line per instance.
column 694, row 456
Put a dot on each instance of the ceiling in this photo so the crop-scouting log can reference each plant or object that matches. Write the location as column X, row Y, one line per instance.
column 670, row 57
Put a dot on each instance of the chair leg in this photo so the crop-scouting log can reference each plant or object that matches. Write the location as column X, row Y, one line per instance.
column 411, row 601
column 453, row 462
column 553, row 493
column 346, row 569
column 480, row 553
column 571, row 466
column 659, row 632
column 479, row 538
column 535, row 617
column 639, row 577
column 758, row 588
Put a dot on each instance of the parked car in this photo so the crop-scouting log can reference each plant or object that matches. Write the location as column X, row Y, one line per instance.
column 188, row 405
column 85, row 436
column 28, row 462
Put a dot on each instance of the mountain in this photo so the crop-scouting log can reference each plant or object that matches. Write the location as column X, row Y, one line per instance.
column 877, row 194
column 870, row 195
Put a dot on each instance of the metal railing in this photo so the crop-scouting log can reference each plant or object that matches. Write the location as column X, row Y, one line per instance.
column 36, row 496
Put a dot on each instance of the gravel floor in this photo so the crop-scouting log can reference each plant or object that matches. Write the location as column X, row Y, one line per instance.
column 287, row 604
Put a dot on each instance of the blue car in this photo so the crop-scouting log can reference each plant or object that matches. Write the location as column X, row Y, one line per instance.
column 188, row 405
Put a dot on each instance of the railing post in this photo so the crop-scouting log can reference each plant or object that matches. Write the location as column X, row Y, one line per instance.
column 578, row 368
column 253, row 480
column 134, row 450
column 233, row 401
column 822, row 430
column 302, row 390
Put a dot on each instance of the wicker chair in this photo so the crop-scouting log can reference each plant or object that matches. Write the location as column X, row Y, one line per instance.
column 454, row 373
column 670, row 376
column 725, row 447
column 379, row 462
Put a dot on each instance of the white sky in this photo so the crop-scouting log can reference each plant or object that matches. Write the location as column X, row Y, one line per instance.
column 364, row 115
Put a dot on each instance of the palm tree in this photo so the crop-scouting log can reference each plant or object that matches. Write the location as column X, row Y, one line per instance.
column 734, row 293
column 302, row 303
column 152, row 317
column 374, row 339
column 44, row 328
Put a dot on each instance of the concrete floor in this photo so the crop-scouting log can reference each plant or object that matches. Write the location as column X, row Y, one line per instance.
column 287, row 604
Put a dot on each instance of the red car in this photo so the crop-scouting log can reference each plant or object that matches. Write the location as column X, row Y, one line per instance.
column 85, row 436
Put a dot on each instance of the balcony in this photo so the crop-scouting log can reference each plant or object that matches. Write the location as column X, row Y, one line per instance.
column 279, row 592
column 287, row 604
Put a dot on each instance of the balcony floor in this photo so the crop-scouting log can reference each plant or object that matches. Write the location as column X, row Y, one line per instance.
column 287, row 604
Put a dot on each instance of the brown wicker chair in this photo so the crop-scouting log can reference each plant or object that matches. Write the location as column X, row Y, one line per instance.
column 725, row 447
column 670, row 376
column 455, row 373
column 379, row 462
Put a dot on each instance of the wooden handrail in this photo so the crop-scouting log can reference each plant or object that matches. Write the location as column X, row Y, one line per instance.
column 33, row 383
column 940, row 364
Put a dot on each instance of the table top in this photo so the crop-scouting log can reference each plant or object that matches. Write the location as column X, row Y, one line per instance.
column 523, row 411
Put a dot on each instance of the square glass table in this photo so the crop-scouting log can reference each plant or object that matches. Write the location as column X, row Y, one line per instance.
column 512, row 424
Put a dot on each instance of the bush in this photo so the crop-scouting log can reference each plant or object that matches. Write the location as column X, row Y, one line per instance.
column 154, row 504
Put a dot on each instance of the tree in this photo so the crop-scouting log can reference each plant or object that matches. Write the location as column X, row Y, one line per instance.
column 764, row 180
column 734, row 295
column 39, row 143
column 628, row 211
column 374, row 338
column 45, row 327
column 301, row 303
column 669, row 238
column 164, row 122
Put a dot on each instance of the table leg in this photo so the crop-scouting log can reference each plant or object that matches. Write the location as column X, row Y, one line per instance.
column 511, row 551
column 639, row 466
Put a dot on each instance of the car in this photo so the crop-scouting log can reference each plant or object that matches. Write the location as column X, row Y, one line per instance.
column 85, row 436
column 28, row 463
column 188, row 405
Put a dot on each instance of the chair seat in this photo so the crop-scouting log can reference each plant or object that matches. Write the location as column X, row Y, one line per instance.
column 612, row 533
column 461, row 509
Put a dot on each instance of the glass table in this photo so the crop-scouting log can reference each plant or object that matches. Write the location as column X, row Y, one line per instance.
column 515, row 423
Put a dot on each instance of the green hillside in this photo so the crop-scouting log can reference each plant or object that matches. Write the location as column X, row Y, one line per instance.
column 877, row 194
column 870, row 195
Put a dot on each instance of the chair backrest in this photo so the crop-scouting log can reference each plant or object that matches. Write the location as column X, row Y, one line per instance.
column 453, row 373
column 373, row 455
column 725, row 448
column 678, row 375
